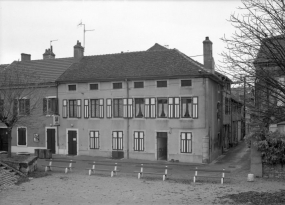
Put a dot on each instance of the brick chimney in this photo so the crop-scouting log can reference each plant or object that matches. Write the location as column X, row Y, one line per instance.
column 48, row 54
column 25, row 57
column 78, row 51
column 209, row 63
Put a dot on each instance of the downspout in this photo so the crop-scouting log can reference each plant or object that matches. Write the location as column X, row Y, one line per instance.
column 222, row 118
column 128, row 120
column 57, row 134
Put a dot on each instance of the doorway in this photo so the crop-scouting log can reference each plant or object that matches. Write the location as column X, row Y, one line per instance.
column 72, row 142
column 161, row 145
column 3, row 139
column 51, row 142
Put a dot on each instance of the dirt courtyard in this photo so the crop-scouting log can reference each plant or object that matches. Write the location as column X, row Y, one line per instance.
column 78, row 188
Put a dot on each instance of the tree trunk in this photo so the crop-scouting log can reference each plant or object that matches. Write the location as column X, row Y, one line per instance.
column 9, row 142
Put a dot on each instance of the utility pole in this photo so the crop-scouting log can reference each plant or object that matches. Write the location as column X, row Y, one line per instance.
column 84, row 31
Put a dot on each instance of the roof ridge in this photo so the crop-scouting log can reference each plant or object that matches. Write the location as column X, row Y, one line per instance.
column 190, row 59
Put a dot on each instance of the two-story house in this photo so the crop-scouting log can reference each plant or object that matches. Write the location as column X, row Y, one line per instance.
column 37, row 105
column 157, row 104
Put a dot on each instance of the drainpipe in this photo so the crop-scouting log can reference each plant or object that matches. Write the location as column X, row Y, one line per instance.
column 57, row 134
column 128, row 120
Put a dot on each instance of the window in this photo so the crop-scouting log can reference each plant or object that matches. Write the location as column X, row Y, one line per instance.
column 189, row 107
column 75, row 108
column 139, row 107
column 162, row 111
column 86, row 108
column 93, row 86
column 138, row 141
column 94, row 139
column 128, row 107
column 161, row 84
column 64, row 108
column 117, row 85
column 71, row 87
column 138, row 84
column 186, row 142
column 174, row 107
column 227, row 106
column 117, row 140
column 24, row 106
column 185, row 83
column 149, row 108
column 22, row 136
column 109, row 108
column 50, row 106
column 97, row 108
column 118, row 107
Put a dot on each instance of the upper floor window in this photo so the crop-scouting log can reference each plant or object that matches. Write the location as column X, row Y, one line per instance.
column 128, row 107
column 74, row 108
column 22, row 106
column 185, row 83
column 94, row 86
column 173, row 107
column 139, row 107
column 149, row 108
column 118, row 107
column 117, row 85
column 1, row 107
column 161, row 83
column 22, row 136
column 138, row 84
column 97, row 108
column 71, row 87
column 50, row 106
column 189, row 107
column 162, row 110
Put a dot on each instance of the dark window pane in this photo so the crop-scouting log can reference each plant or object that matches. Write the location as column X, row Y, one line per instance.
column 117, row 85
column 162, row 84
column 93, row 86
column 71, row 87
column 186, row 83
column 138, row 84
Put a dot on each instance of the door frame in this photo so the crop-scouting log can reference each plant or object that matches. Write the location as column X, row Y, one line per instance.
column 56, row 144
column 155, row 154
column 2, row 127
column 77, row 139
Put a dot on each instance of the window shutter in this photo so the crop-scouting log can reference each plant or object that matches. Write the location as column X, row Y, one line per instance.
column 56, row 106
column 27, row 106
column 44, row 106
column 15, row 108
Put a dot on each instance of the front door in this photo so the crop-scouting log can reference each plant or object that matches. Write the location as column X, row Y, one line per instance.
column 72, row 142
column 51, row 140
column 162, row 146
column 3, row 139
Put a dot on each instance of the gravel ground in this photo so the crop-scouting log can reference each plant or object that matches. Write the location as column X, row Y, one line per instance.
column 79, row 188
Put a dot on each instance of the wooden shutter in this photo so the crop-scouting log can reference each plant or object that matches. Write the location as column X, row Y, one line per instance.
column 44, row 106
column 27, row 106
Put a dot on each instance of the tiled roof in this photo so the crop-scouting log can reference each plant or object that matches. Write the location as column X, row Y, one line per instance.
column 2, row 66
column 133, row 65
column 157, row 47
column 42, row 71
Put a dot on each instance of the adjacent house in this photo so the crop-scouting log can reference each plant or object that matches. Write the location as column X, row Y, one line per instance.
column 36, row 106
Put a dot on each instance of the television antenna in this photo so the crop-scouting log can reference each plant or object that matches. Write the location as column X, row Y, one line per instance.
column 84, row 31
column 52, row 41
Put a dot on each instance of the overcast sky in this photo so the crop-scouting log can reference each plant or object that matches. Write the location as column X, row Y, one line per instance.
column 29, row 26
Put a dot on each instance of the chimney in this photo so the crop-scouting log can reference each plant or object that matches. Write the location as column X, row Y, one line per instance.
column 209, row 63
column 48, row 54
column 25, row 57
column 78, row 51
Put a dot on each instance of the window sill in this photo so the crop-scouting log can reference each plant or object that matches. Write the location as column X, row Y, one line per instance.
column 22, row 145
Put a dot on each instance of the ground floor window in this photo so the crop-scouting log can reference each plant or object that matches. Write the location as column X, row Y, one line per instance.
column 139, row 141
column 94, row 139
column 186, row 142
column 22, row 136
column 117, row 140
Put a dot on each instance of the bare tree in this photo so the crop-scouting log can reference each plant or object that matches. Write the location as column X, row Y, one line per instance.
column 20, row 97
column 256, row 52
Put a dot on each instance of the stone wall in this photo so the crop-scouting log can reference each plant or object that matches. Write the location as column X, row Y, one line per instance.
column 273, row 171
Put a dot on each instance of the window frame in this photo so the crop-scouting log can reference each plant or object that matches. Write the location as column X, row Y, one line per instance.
column 109, row 108
column 184, row 146
column 139, row 147
column 128, row 107
column 140, row 104
column 174, row 108
column 150, row 108
column 46, row 105
column 138, row 82
column 165, row 107
column 117, row 140
column 89, row 86
column 157, row 86
column 74, row 108
column 26, row 111
column 86, row 108
column 69, row 87
column 100, row 105
column 119, row 114
column 26, row 133
column 186, row 85
column 95, row 143
column 117, row 84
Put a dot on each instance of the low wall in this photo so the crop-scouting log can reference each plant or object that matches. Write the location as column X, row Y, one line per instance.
column 273, row 171
column 26, row 166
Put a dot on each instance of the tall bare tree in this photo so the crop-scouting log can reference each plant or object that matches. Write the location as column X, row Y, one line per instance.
column 256, row 52
column 20, row 97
